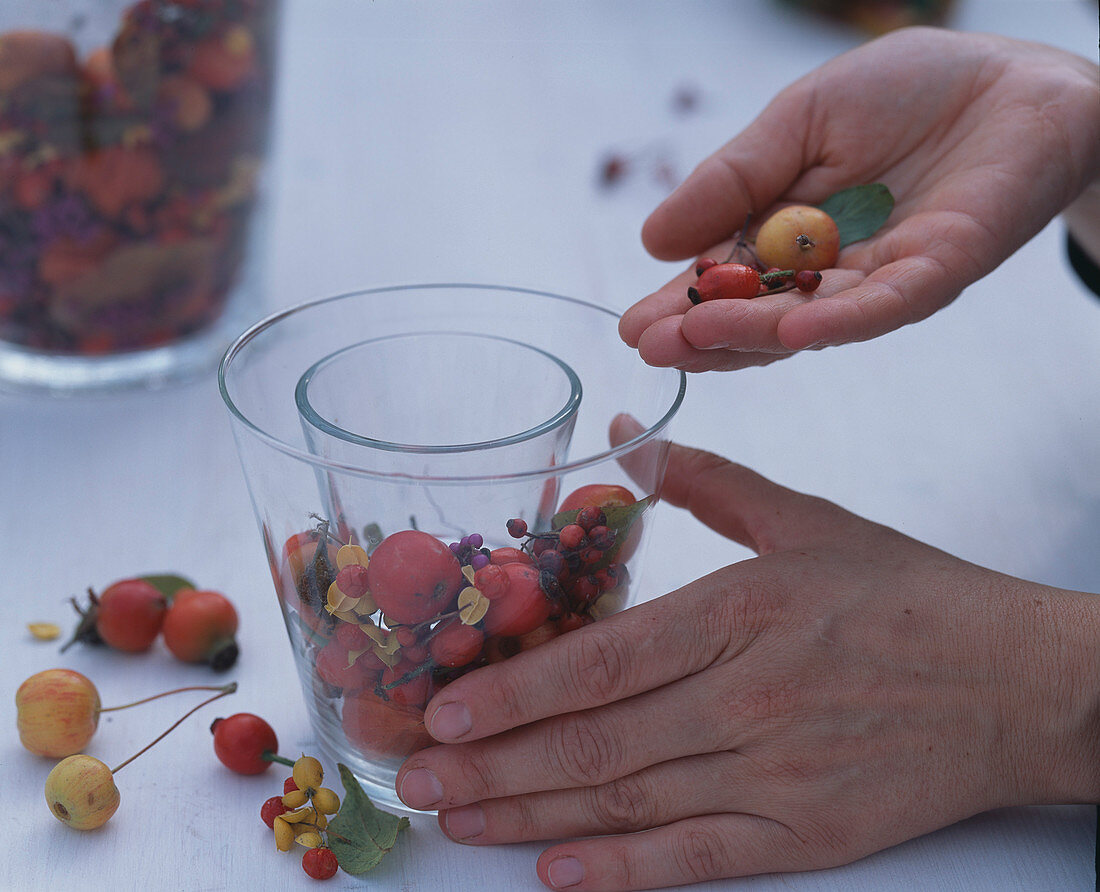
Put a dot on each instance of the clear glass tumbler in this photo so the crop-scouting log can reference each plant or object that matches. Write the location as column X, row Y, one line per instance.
column 133, row 140
column 443, row 476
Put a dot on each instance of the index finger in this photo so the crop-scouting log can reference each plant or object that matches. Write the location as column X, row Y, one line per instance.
column 618, row 656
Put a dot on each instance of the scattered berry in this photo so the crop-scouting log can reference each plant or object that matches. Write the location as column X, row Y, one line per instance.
column 242, row 741
column 320, row 863
column 271, row 809
column 807, row 280
column 200, row 627
column 517, row 528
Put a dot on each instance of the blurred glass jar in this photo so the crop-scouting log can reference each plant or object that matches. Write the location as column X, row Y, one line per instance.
column 132, row 146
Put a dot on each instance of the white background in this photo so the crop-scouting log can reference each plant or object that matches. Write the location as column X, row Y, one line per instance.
column 459, row 141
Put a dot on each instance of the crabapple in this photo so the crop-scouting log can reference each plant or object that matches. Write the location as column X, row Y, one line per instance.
column 799, row 237
column 521, row 605
column 57, row 712
column 81, row 792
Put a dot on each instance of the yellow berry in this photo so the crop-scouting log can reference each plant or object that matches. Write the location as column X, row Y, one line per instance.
column 326, row 801
column 295, row 799
column 284, row 834
column 798, row 237
column 310, row 839
column 308, row 774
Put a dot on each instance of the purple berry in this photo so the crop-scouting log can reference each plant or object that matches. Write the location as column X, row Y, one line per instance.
column 479, row 560
column 475, row 540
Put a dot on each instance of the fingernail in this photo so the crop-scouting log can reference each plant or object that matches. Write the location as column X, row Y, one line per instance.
column 464, row 822
column 565, row 872
column 720, row 345
column 420, row 788
column 450, row 721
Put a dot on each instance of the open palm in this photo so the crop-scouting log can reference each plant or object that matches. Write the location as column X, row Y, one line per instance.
column 982, row 140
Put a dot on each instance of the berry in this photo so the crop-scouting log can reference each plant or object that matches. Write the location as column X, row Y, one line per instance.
column 352, row 581
column 508, row 555
column 81, row 792
column 413, row 577
column 200, row 627
column 455, row 645
column 380, row 727
column 807, row 280
column 410, row 686
column 703, row 265
column 799, row 237
column 725, row 281
column 521, row 606
column 57, row 712
column 271, row 809
column 601, row 537
column 241, row 742
column 571, row 536
column 289, row 785
column 590, row 516
column 517, row 528
column 552, row 562
column 320, row 863
column 598, row 495
column 129, row 615
column 308, row 774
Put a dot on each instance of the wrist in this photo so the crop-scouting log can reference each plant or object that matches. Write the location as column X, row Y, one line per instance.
column 1058, row 734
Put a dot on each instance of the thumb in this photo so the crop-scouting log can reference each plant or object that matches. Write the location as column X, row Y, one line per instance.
column 737, row 502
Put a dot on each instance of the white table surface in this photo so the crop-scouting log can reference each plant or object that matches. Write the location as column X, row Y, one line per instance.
column 458, row 141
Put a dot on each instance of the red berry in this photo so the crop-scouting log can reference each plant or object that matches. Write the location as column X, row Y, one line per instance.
column 241, row 740
column 351, row 637
column 289, row 786
column 320, row 863
column 590, row 516
column 129, row 615
column 413, row 576
column 522, row 605
column 571, row 535
column 456, row 644
column 413, row 691
column 586, row 588
column 200, row 627
column 508, row 555
column 726, row 281
column 807, row 280
column 272, row 808
column 352, row 580
column 517, row 528
column 703, row 265
column 601, row 537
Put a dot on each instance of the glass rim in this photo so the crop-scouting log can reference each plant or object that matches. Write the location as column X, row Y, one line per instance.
column 341, row 467
column 309, row 412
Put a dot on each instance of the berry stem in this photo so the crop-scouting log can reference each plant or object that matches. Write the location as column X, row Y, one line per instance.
column 269, row 756
column 198, row 687
column 227, row 689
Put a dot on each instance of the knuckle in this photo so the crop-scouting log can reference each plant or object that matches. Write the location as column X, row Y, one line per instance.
column 583, row 751
column 599, row 664
column 623, row 805
column 701, row 854
column 476, row 778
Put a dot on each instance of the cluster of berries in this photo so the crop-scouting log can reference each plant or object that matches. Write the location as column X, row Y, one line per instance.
column 385, row 630
column 790, row 250
column 300, row 817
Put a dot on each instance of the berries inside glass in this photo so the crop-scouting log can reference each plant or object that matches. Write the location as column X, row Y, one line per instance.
column 386, row 621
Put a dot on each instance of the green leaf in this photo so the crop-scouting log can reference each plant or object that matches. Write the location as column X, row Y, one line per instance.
column 361, row 834
column 859, row 212
column 168, row 584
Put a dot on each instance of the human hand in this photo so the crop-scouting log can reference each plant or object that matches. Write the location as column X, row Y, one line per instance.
column 848, row 689
column 982, row 140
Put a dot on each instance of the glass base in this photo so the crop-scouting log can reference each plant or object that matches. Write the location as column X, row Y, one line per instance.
column 23, row 370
